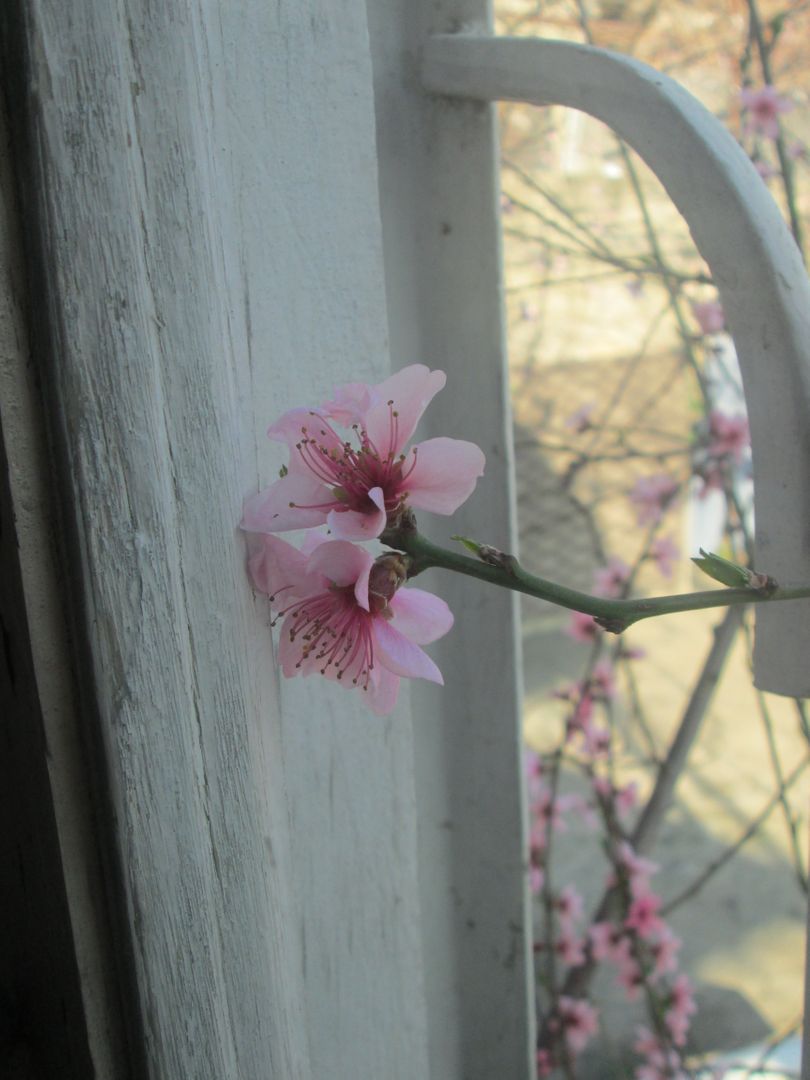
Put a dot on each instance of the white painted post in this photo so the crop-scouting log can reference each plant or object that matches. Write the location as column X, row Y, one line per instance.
column 439, row 189
column 741, row 234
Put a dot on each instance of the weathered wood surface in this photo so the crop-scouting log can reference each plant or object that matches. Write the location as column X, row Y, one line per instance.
column 439, row 193
column 741, row 234
column 202, row 209
column 43, row 725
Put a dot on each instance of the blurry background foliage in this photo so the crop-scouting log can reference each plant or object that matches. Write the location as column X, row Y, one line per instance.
column 609, row 366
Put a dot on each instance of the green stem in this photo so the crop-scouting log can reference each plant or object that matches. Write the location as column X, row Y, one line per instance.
column 614, row 615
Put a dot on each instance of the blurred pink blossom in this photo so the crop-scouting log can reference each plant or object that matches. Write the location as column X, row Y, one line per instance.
column 643, row 915
column 569, row 947
column 763, row 108
column 626, row 797
column 729, row 436
column 611, row 579
column 596, row 740
column 578, row 1020
column 681, row 1007
column 606, row 938
column 544, row 1063
column 709, row 316
column 568, row 905
column 602, row 681
column 652, row 495
column 629, row 976
column 664, row 950
column 638, row 869
column 664, row 551
column 582, row 627
column 580, row 419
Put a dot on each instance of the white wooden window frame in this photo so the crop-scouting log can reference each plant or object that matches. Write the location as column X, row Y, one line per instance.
column 221, row 220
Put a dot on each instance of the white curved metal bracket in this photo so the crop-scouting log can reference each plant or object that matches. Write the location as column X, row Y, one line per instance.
column 740, row 232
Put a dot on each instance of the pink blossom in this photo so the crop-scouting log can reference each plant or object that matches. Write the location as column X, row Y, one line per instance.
column 578, row 1020
column 664, row 951
column 729, row 436
column 357, row 490
column 709, row 316
column 580, row 718
column 544, row 1063
column 611, row 579
column 638, row 869
column 596, row 740
column 629, row 976
column 643, row 915
column 664, row 551
column 568, row 905
column 763, row 108
column 652, row 495
column 682, row 1006
column 580, row 419
column 569, row 947
column 582, row 627
column 347, row 617
column 603, row 680
column 626, row 797
column 606, row 940
column 661, row 1063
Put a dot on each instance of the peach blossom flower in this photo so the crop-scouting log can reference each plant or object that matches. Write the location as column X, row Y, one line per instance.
column 580, row 419
column 357, row 490
column 664, row 551
column 763, row 108
column 652, row 495
column 729, row 436
column 643, row 915
column 582, row 627
column 346, row 616
column 578, row 1020
column 709, row 316
column 611, row 579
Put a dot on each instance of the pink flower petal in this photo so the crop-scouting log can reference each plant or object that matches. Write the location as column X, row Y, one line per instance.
column 419, row 615
column 270, row 511
column 344, row 564
column 296, row 424
column 350, row 403
column 274, row 564
column 445, row 474
column 382, row 692
column 411, row 390
column 402, row 656
column 354, row 525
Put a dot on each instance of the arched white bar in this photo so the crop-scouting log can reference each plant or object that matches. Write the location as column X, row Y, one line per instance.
column 741, row 234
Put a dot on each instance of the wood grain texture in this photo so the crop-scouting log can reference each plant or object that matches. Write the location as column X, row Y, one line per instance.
column 39, row 613
column 203, row 209
column 758, row 270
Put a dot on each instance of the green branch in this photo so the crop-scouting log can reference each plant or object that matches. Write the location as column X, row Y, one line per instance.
column 504, row 570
